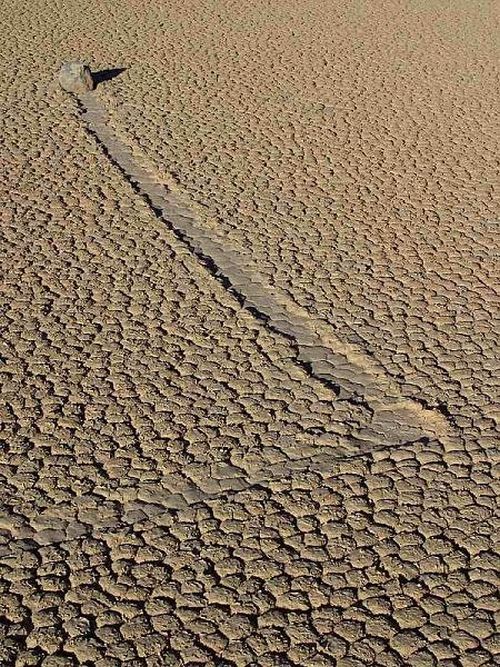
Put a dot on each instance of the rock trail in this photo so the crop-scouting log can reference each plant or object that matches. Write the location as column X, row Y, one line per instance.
column 395, row 420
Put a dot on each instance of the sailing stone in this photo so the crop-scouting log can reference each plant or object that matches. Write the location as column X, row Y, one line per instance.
column 76, row 78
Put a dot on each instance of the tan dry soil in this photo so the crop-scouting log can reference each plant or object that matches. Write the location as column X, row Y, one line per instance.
column 182, row 482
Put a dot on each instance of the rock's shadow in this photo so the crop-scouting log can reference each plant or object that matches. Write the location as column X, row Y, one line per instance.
column 106, row 75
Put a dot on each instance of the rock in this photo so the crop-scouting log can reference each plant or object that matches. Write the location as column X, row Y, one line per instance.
column 76, row 78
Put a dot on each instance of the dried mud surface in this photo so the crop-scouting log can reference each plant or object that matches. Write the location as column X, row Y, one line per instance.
column 184, row 481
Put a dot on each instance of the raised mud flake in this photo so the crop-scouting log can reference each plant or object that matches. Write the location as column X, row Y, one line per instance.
column 76, row 78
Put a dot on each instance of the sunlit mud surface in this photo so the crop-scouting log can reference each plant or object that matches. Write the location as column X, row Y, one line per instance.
column 249, row 335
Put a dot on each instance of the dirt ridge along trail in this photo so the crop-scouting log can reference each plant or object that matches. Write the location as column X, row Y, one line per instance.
column 350, row 373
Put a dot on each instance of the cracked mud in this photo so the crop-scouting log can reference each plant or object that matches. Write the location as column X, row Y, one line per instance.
column 248, row 336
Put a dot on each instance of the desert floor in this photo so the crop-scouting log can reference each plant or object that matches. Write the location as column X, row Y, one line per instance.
column 250, row 308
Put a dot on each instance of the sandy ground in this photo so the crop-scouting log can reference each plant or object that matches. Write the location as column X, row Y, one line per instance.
column 178, row 487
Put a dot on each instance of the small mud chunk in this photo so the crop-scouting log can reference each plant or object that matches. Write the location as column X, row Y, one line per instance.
column 76, row 78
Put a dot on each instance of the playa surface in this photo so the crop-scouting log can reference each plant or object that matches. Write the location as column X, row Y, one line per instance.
column 249, row 330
